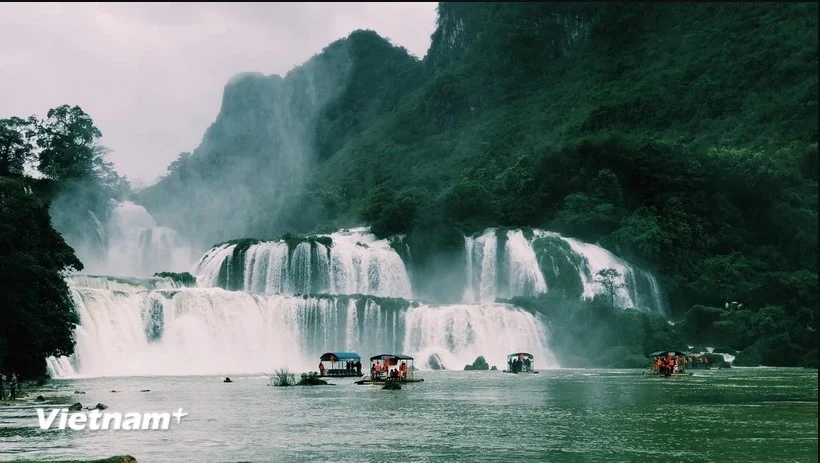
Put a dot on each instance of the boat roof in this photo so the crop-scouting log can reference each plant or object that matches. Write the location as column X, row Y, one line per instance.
column 664, row 352
column 334, row 356
column 390, row 356
column 520, row 353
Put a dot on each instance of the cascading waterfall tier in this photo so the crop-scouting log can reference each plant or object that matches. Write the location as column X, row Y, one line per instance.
column 346, row 262
column 503, row 264
column 213, row 331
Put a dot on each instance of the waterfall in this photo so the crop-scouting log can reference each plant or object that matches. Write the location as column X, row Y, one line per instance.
column 119, row 283
column 455, row 335
column 347, row 262
column 508, row 264
column 131, row 243
column 185, row 331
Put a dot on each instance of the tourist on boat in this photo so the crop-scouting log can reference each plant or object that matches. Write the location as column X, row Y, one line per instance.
column 359, row 367
column 321, row 369
column 403, row 369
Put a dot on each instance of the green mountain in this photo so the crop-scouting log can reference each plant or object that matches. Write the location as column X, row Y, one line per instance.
column 681, row 136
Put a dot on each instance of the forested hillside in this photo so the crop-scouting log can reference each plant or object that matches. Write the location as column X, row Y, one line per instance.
column 680, row 136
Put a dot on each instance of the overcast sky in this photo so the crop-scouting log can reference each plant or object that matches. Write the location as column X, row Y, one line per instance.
column 151, row 75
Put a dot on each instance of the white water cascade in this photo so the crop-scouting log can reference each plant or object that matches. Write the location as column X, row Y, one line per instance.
column 518, row 268
column 346, row 262
column 213, row 331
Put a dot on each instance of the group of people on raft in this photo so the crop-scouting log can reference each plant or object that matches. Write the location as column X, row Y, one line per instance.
column 671, row 364
column 516, row 365
column 386, row 370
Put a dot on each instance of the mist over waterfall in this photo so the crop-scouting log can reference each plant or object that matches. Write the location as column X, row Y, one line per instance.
column 130, row 243
column 214, row 331
column 345, row 262
column 454, row 334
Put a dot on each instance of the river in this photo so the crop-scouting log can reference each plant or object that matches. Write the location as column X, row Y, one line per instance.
column 740, row 414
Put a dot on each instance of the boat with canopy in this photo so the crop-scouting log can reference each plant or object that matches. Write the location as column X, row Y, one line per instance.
column 340, row 364
column 520, row 362
column 387, row 368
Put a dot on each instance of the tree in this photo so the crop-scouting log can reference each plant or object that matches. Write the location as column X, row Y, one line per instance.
column 36, row 309
column 16, row 146
column 390, row 213
column 67, row 140
column 609, row 278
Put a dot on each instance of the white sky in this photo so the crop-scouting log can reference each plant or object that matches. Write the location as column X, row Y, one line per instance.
column 151, row 75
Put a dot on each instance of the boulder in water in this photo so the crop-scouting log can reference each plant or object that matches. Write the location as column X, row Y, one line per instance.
column 76, row 407
column 79, row 392
column 101, row 406
column 311, row 379
column 494, row 368
column 146, row 390
column 435, row 362
column 479, row 364
column 227, row 380
column 40, row 398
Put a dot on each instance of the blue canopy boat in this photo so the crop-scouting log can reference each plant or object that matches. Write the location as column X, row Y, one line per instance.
column 340, row 364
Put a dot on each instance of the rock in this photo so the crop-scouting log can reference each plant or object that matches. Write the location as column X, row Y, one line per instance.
column 146, row 390
column 40, row 398
column 128, row 459
column 114, row 390
column 76, row 407
column 101, row 406
column 310, row 379
column 79, row 392
column 493, row 368
column 435, row 362
column 479, row 364
column 227, row 380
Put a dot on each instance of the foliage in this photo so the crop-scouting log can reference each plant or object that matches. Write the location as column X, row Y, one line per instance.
column 16, row 144
column 67, row 141
column 283, row 378
column 609, row 278
column 35, row 306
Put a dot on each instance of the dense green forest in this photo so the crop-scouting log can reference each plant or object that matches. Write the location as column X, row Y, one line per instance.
column 683, row 137
column 41, row 160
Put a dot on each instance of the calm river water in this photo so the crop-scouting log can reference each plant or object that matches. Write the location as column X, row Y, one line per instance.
column 742, row 415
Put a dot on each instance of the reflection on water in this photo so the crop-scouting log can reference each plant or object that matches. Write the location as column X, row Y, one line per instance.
column 560, row 415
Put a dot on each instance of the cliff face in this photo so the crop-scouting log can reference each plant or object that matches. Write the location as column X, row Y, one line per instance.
column 248, row 174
